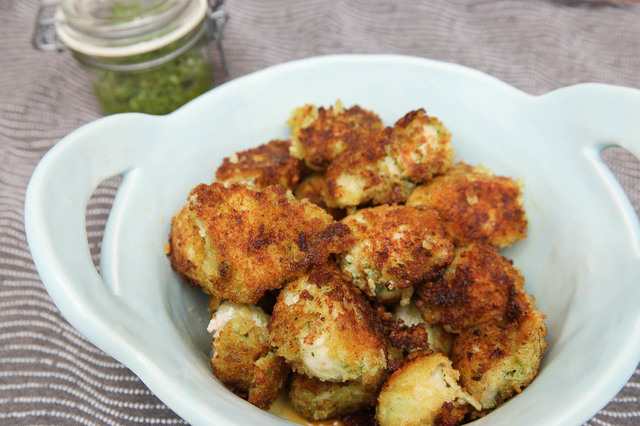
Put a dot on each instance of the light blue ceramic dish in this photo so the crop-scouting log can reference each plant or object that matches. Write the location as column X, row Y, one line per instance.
column 581, row 259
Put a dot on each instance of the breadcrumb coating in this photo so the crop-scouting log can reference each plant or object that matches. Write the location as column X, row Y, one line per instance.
column 267, row 164
column 311, row 188
column 439, row 339
column 318, row 135
column 324, row 327
column 384, row 168
column 242, row 358
column 475, row 205
column 396, row 247
column 238, row 242
column 496, row 361
column 478, row 286
column 318, row 400
column 421, row 146
column 424, row 391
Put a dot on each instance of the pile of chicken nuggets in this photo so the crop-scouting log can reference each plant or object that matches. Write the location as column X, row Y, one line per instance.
column 357, row 268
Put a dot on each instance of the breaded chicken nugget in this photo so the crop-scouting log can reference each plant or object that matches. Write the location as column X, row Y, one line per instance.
column 385, row 168
column 478, row 286
column 496, row 361
column 421, row 146
column 396, row 247
column 318, row 400
column 365, row 173
column 268, row 164
column 475, row 205
column 424, row 391
column 242, row 358
column 237, row 242
column 318, row 135
column 325, row 328
column 311, row 188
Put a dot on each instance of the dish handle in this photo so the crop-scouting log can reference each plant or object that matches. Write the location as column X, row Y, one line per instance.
column 55, row 209
column 602, row 116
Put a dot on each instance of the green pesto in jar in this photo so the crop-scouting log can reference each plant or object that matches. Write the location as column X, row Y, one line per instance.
column 157, row 90
column 155, row 82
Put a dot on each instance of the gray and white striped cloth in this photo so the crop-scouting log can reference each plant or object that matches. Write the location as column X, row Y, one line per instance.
column 49, row 374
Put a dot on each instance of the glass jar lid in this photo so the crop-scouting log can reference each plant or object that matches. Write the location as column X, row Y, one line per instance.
column 119, row 28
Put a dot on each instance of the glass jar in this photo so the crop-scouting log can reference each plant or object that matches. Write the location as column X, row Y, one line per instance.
column 146, row 56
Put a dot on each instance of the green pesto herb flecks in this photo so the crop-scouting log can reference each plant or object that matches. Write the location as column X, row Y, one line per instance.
column 157, row 90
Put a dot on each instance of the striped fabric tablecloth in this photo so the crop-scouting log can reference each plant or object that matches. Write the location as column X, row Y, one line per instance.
column 49, row 373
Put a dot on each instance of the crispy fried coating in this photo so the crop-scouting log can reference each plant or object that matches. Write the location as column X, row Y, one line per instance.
column 237, row 242
column 424, row 391
column 439, row 340
column 475, row 205
column 400, row 335
column 385, row 168
column 267, row 164
column 318, row 400
column 396, row 247
column 478, row 286
column 497, row 361
column 311, row 188
column 421, row 146
column 242, row 358
column 366, row 173
column 318, row 135
column 271, row 373
column 324, row 327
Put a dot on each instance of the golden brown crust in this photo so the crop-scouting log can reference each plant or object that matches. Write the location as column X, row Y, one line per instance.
column 320, row 134
column 423, row 391
column 249, row 241
column 450, row 414
column 236, row 349
column 243, row 360
column 271, row 373
column 318, row 400
column 478, row 286
column 495, row 360
column 400, row 335
column 325, row 328
column 311, row 188
column 422, row 146
column 396, row 247
column 475, row 205
column 267, row 164
column 385, row 168
column 186, row 248
column 360, row 175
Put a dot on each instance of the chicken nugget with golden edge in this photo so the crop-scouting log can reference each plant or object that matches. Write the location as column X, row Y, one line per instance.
column 311, row 188
column 424, row 391
column 238, row 242
column 477, row 286
column 396, row 247
column 325, row 328
column 318, row 135
column 475, row 205
column 421, row 146
column 385, row 168
column 318, row 400
column 242, row 357
column 497, row 361
column 267, row 164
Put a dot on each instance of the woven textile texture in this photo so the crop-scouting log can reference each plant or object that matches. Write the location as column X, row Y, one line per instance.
column 49, row 373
